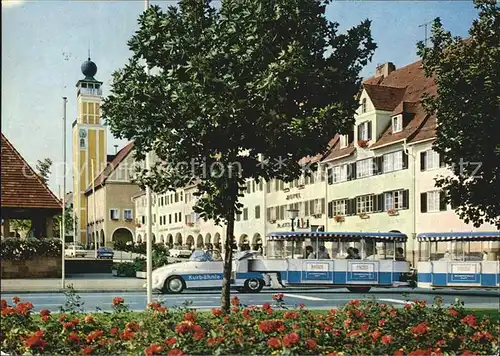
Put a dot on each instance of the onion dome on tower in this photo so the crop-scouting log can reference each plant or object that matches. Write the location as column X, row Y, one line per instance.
column 89, row 69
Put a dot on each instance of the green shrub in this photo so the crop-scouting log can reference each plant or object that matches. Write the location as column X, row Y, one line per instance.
column 125, row 269
column 13, row 248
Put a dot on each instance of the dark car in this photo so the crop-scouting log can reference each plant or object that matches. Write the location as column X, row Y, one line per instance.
column 105, row 252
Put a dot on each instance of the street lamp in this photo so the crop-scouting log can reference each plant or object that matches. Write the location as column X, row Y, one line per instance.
column 293, row 214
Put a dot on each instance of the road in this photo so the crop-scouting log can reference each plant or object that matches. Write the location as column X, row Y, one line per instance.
column 206, row 300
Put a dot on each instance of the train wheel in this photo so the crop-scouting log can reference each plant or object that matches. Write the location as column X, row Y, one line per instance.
column 359, row 289
column 253, row 285
column 174, row 285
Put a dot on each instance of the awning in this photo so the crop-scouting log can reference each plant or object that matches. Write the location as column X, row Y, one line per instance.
column 335, row 236
column 459, row 236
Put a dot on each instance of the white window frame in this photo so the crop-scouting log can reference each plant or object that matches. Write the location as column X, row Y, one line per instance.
column 393, row 162
column 397, row 123
column 364, row 204
column 339, row 173
column 363, row 105
column 364, row 131
column 340, row 207
column 364, row 168
column 431, row 160
column 344, row 141
column 393, row 200
column 116, row 214
column 125, row 211
column 433, row 201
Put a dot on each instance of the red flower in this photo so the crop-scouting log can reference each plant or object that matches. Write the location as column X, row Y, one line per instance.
column 235, row 301
column 170, row 341
column 235, row 309
column 468, row 353
column 469, row 320
column 274, row 343
column 420, row 329
column 35, row 341
column 266, row 306
column 291, row 339
column 381, row 323
column 184, row 327
column 132, row 326
column 175, row 352
column 278, row 297
column 386, row 339
column 89, row 319
column 118, row 300
column 44, row 312
column 190, row 317
column 407, row 306
column 68, row 326
column 452, row 312
column 291, row 315
column 153, row 349
column 88, row 350
column 45, row 318
column 198, row 332
column 270, row 326
column 128, row 334
column 73, row 337
column 354, row 302
column 94, row 335
column 399, row 352
column 217, row 312
column 16, row 300
column 364, row 326
column 375, row 334
column 114, row 331
column 63, row 318
column 347, row 323
column 302, row 306
column 311, row 344
column 4, row 304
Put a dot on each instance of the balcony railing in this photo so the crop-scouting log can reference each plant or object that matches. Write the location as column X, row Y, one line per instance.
column 90, row 91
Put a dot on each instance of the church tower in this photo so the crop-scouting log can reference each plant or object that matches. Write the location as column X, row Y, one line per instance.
column 89, row 143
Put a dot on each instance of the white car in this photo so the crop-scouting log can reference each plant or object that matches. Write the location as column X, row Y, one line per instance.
column 180, row 252
column 205, row 270
column 74, row 250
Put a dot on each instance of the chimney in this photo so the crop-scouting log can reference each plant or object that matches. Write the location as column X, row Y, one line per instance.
column 383, row 70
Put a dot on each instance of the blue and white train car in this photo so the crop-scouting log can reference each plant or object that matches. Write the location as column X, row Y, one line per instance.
column 357, row 274
column 457, row 269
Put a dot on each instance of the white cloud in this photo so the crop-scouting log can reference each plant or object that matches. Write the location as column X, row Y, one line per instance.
column 12, row 3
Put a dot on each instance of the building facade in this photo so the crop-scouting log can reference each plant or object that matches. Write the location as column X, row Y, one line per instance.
column 377, row 178
column 102, row 183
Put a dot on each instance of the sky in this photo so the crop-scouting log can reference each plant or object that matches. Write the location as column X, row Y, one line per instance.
column 45, row 42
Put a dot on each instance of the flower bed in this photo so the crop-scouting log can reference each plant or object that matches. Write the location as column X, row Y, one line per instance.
column 360, row 327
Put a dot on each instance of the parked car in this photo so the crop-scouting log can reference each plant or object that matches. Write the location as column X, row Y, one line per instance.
column 180, row 252
column 105, row 252
column 75, row 250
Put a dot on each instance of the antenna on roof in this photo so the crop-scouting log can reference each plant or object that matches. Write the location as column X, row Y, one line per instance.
column 424, row 25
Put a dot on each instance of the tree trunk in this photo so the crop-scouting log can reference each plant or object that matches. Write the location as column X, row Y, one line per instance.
column 228, row 264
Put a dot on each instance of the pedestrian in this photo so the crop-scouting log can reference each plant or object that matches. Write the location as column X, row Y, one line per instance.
column 485, row 256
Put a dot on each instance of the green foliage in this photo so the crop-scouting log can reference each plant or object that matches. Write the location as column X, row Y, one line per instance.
column 467, row 110
column 43, row 168
column 25, row 249
column 125, row 269
column 73, row 303
column 20, row 225
column 69, row 221
column 241, row 92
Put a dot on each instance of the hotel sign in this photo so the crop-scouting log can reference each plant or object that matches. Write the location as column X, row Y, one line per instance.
column 293, row 196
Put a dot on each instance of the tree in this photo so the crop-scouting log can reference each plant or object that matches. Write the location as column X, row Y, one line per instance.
column 237, row 93
column 69, row 221
column 43, row 168
column 467, row 109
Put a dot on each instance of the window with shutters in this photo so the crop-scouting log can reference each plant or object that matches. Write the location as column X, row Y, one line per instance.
column 339, row 207
column 169, row 218
column 431, row 160
column 238, row 217
column 364, row 204
column 114, row 214
column 261, row 185
column 276, row 185
column 268, row 187
column 392, row 161
column 282, row 212
column 253, row 186
column 394, row 200
column 302, row 181
column 364, row 168
column 364, row 131
column 306, row 208
column 257, row 211
column 433, row 201
column 248, row 187
column 339, row 173
column 245, row 214
column 276, row 212
column 127, row 214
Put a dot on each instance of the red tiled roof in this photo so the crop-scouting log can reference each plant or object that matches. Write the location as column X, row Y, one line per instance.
column 21, row 185
column 413, row 79
column 336, row 152
column 111, row 167
column 384, row 97
column 427, row 131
